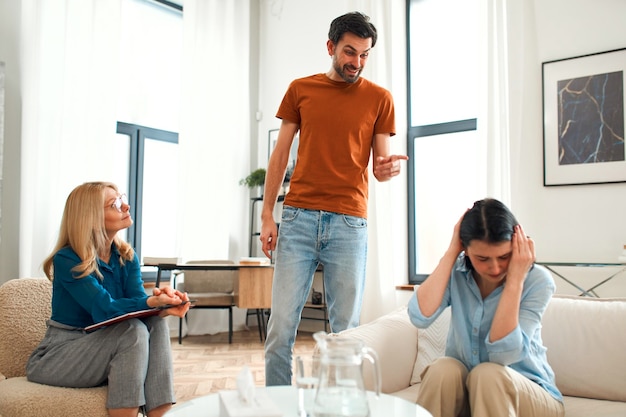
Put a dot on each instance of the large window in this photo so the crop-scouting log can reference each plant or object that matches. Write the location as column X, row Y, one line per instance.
column 151, row 176
column 445, row 170
column 148, row 111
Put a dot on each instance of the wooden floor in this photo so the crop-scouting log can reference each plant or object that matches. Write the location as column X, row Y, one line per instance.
column 208, row 364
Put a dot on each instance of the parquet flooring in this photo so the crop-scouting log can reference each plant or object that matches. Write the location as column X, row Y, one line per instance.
column 208, row 364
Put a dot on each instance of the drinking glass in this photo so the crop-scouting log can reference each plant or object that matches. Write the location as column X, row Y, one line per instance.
column 307, row 379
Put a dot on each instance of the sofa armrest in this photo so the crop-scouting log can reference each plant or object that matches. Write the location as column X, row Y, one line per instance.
column 394, row 338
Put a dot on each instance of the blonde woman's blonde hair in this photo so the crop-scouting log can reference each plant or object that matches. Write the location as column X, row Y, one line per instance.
column 83, row 229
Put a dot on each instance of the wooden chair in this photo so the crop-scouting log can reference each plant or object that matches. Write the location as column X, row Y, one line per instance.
column 211, row 289
column 24, row 309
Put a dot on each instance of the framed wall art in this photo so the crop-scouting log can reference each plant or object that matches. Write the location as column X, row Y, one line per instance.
column 583, row 119
column 272, row 138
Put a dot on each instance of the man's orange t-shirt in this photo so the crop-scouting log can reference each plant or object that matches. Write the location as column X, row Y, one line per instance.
column 338, row 121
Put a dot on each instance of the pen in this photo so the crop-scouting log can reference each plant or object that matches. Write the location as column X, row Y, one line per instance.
column 166, row 306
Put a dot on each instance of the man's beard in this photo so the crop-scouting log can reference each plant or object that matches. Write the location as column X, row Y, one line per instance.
column 347, row 78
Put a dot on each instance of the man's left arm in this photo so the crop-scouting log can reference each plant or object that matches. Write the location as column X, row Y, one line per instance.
column 386, row 166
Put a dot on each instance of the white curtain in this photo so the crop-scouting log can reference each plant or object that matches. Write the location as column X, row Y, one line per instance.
column 521, row 58
column 214, row 141
column 387, row 255
column 69, row 68
column 502, row 103
column 215, row 128
column 70, row 63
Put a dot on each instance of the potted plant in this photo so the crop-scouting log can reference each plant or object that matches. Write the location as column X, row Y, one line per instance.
column 255, row 179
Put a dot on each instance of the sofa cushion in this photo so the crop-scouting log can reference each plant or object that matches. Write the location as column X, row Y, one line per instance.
column 586, row 338
column 19, row 397
column 431, row 344
column 586, row 407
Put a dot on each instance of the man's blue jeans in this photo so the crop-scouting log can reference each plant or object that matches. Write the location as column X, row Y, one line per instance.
column 308, row 238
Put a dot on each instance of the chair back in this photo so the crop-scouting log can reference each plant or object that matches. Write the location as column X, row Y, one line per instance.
column 25, row 306
column 217, row 281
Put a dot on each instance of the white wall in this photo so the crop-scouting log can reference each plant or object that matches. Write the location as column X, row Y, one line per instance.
column 584, row 223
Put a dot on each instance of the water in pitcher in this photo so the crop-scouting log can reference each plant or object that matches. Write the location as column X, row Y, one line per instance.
column 341, row 402
column 341, row 391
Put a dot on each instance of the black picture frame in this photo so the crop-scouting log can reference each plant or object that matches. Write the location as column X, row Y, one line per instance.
column 583, row 119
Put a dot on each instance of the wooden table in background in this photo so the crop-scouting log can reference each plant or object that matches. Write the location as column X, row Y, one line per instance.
column 253, row 287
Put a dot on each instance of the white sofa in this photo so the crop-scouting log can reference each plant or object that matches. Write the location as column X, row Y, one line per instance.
column 585, row 337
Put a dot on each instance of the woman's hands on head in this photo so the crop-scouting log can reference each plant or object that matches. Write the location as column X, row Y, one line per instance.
column 522, row 255
column 169, row 296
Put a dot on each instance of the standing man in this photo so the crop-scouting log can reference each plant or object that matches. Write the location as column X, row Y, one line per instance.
column 342, row 118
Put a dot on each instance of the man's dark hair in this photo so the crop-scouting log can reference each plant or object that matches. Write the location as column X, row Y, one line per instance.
column 353, row 22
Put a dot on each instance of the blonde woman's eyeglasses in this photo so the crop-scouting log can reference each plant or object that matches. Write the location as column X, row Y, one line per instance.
column 119, row 202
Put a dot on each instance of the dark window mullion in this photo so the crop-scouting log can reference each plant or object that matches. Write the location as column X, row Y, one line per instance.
column 141, row 148
column 442, row 128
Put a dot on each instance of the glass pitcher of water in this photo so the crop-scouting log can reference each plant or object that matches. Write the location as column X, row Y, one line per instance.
column 341, row 390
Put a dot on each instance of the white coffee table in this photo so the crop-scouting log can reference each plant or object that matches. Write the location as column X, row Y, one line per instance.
column 286, row 398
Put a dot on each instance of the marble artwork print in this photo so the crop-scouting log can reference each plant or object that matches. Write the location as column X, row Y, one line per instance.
column 583, row 119
column 591, row 119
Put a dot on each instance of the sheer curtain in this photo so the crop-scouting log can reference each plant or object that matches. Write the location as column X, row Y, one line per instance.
column 518, row 20
column 503, row 102
column 387, row 221
column 214, row 137
column 214, row 141
column 70, row 61
column 69, row 84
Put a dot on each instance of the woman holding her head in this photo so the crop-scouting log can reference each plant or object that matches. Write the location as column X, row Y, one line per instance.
column 495, row 363
column 96, row 276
